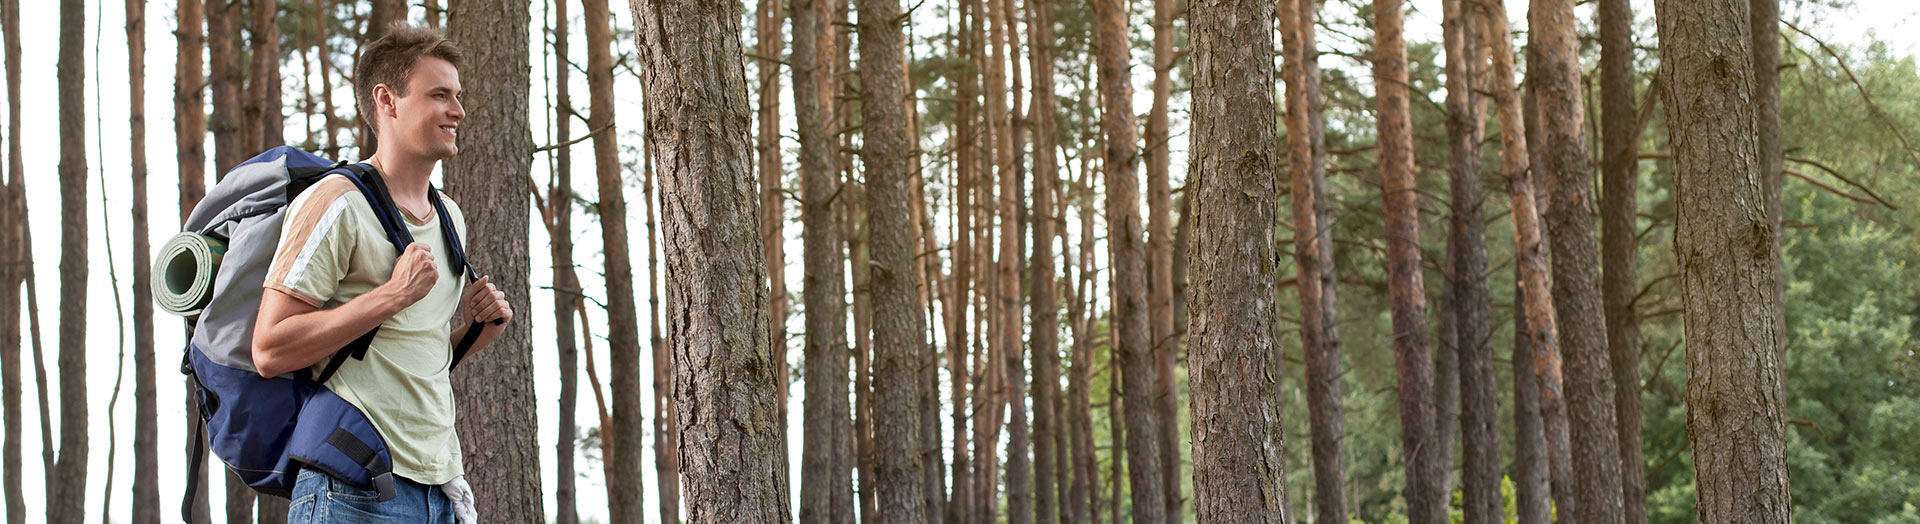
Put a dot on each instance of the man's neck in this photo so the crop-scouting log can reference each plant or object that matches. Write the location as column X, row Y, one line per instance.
column 406, row 175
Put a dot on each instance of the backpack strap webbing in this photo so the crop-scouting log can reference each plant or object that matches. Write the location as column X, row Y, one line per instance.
column 461, row 266
column 374, row 188
column 362, row 454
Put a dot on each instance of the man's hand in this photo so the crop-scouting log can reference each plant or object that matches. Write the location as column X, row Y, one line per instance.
column 485, row 304
column 413, row 274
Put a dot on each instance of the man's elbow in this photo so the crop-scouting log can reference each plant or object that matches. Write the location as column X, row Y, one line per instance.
column 264, row 361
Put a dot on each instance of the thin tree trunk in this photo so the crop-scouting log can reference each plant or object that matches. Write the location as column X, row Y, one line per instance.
column 500, row 446
column 1239, row 469
column 767, row 21
column 960, row 504
column 1012, row 352
column 229, row 139
column 324, row 41
column 1730, row 264
column 380, row 17
column 433, row 11
column 190, row 131
column 1533, row 311
column 725, row 373
column 897, row 319
column 1160, row 257
column 826, row 480
column 1576, row 285
column 1472, row 303
column 625, row 484
column 1084, row 500
column 1044, row 288
column 18, row 268
column 1620, row 246
column 567, row 293
column 1547, row 358
column 264, row 88
column 66, row 481
column 1765, row 17
column 1125, row 238
column 666, row 441
column 1424, row 460
column 146, row 475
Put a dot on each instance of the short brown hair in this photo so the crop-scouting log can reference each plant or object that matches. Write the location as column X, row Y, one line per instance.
column 390, row 59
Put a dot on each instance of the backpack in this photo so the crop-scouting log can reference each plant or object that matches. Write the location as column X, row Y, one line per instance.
column 265, row 429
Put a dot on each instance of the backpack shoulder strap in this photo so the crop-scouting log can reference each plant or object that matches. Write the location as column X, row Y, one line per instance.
column 460, row 266
column 370, row 184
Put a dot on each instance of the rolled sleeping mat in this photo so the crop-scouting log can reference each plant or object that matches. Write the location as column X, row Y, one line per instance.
column 186, row 267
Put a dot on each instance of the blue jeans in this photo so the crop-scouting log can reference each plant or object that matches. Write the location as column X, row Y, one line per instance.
column 321, row 499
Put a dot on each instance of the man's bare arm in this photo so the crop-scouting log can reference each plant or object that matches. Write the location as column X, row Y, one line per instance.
column 289, row 334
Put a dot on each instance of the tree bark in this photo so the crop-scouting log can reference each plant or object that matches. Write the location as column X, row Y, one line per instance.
column 1160, row 257
column 1576, row 286
column 380, row 18
column 1044, row 290
column 13, row 275
column 567, row 293
column 767, row 19
column 897, row 319
column 726, row 374
column 325, row 50
column 227, row 84
column 146, row 478
column 1472, row 303
column 1313, row 257
column 625, row 485
column 666, row 441
column 1083, row 497
column 66, row 481
column 189, row 105
column 1730, row 262
column 1424, row 460
column 499, row 442
column 264, row 87
column 1012, row 351
column 960, row 504
column 826, row 482
column 1619, row 131
column 1125, row 238
column 1534, row 329
column 1239, row 472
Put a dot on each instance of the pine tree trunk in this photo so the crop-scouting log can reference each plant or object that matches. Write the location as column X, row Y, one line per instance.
column 1239, row 469
column 380, row 17
column 666, row 441
column 499, row 442
column 1730, row 263
column 190, row 131
column 13, row 210
column 1533, row 311
column 826, row 480
column 66, row 482
column 897, row 319
column 960, row 504
column 1765, row 17
column 625, row 485
column 226, row 86
column 567, row 293
column 1044, row 288
column 325, row 50
column 767, row 19
column 1160, row 258
column 725, row 373
column 1424, row 460
column 1576, row 285
column 1125, row 239
column 146, row 476
column 1547, row 359
column 1620, row 245
column 1083, row 501
column 1313, row 257
column 1472, row 303
column 1009, row 146
column 264, row 88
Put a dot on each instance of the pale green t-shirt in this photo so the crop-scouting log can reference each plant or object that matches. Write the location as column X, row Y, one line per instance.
column 332, row 249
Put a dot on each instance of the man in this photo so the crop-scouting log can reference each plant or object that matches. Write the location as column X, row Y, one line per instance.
column 335, row 276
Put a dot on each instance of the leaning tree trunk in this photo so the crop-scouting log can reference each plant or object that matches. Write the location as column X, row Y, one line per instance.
column 567, row 293
column 1619, row 246
column 826, row 464
column 1730, row 263
column 897, row 318
column 625, row 485
column 726, row 376
column 1576, row 279
column 1533, row 312
column 146, row 465
column 1239, row 469
column 1423, row 458
column 498, row 441
column 67, row 480
column 1471, row 306
column 1313, row 249
column 1124, row 240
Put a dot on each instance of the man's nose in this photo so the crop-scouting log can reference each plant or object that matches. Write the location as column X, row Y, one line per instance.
column 458, row 111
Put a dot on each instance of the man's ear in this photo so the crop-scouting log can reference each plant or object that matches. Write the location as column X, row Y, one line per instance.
column 384, row 101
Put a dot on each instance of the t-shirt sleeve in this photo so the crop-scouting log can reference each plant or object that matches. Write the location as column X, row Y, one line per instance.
column 317, row 240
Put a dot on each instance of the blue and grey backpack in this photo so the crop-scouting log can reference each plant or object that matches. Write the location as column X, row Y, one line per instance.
column 264, row 429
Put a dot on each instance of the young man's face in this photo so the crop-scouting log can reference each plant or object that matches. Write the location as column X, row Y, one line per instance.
column 425, row 121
